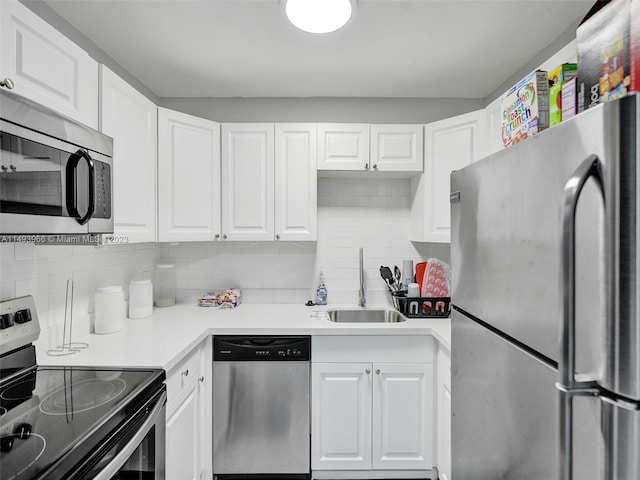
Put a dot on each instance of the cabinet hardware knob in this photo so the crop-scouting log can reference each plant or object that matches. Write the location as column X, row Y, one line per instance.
column 375, row 166
column 277, row 237
column 366, row 166
column 216, row 236
column 186, row 373
column 367, row 371
column 201, row 379
column 7, row 83
column 377, row 371
column 224, row 236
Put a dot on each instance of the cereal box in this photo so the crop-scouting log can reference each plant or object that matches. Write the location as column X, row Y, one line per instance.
column 604, row 55
column 563, row 72
column 557, row 78
column 569, row 100
column 525, row 108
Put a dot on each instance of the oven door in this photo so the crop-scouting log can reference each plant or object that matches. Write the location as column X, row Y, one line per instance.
column 136, row 451
column 48, row 186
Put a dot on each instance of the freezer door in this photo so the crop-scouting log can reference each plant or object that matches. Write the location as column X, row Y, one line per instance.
column 506, row 242
column 505, row 412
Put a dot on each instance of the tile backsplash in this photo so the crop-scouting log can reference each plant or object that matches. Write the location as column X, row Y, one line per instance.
column 372, row 213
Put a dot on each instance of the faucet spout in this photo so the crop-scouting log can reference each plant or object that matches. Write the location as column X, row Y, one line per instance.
column 361, row 300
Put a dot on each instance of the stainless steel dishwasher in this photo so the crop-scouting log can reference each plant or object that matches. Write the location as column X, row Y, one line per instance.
column 261, row 407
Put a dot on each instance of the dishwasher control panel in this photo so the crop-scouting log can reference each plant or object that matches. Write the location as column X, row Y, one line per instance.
column 261, row 348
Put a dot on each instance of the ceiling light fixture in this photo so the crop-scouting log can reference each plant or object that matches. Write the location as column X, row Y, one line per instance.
column 318, row 16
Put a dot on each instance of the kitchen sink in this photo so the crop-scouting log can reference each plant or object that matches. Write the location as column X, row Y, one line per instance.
column 365, row 316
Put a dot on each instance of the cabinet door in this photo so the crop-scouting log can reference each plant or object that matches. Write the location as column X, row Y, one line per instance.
column 296, row 179
column 403, row 408
column 131, row 119
column 188, row 177
column 443, row 413
column 341, row 416
column 183, row 431
column 343, row 146
column 46, row 66
column 449, row 145
column 248, row 181
column 397, row 148
column 493, row 140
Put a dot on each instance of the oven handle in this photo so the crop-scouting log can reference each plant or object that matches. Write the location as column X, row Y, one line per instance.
column 120, row 459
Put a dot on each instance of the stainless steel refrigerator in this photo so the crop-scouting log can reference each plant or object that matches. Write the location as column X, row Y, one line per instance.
column 546, row 304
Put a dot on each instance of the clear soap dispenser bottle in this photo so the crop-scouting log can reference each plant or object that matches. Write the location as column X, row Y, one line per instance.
column 321, row 292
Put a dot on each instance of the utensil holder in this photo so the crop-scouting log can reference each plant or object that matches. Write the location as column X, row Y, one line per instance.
column 421, row 307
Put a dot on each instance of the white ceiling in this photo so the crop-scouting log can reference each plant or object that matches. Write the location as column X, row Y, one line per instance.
column 389, row 48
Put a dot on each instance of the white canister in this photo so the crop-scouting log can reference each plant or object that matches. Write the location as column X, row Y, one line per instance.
column 140, row 298
column 110, row 310
column 413, row 290
column 164, row 294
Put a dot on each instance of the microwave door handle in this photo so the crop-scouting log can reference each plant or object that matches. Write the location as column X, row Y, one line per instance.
column 568, row 385
column 72, row 186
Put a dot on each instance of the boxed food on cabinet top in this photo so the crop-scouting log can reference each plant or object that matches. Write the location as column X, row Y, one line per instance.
column 608, row 53
column 525, row 108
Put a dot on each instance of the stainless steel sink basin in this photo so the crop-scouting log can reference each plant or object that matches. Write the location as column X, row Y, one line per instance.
column 365, row 316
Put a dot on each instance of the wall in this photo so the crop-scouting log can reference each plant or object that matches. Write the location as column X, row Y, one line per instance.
column 550, row 51
column 372, row 213
column 323, row 109
column 352, row 213
column 43, row 270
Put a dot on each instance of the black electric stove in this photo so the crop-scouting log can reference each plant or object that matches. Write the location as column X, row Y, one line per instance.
column 68, row 422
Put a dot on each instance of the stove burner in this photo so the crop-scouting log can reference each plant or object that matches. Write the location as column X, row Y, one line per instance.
column 22, row 390
column 27, row 452
column 81, row 396
column 2, row 411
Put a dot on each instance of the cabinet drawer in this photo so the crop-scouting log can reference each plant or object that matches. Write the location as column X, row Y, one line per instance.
column 184, row 373
column 373, row 348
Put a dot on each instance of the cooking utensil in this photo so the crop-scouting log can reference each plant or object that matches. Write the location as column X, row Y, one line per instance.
column 420, row 268
column 398, row 275
column 387, row 276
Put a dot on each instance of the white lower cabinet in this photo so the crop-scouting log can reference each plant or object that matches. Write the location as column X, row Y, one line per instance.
column 376, row 414
column 188, row 418
column 444, row 413
column 403, row 428
column 341, row 416
column 183, row 455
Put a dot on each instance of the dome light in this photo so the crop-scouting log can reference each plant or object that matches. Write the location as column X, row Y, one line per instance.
column 318, row 16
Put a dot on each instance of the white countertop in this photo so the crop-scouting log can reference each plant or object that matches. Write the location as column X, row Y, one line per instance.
column 163, row 339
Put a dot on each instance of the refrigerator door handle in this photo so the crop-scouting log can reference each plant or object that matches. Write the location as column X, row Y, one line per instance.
column 568, row 385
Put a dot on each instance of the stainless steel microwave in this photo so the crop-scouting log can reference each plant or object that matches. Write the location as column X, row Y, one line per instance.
column 56, row 175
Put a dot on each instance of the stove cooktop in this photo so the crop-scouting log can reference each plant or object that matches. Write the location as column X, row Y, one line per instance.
column 50, row 414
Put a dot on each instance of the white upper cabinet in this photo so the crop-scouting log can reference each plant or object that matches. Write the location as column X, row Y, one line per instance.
column 296, row 199
column 132, row 120
column 396, row 148
column 248, row 181
column 188, row 177
column 450, row 144
column 343, row 146
column 494, row 128
column 47, row 67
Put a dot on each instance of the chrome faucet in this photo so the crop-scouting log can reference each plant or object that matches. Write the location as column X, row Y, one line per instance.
column 361, row 301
